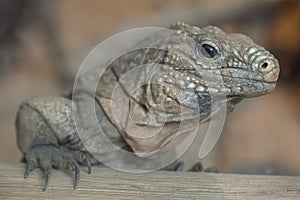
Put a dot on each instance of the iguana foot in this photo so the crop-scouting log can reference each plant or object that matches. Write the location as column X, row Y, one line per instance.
column 176, row 166
column 198, row 167
column 46, row 156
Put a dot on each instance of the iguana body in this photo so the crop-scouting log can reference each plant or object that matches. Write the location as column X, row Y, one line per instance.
column 235, row 66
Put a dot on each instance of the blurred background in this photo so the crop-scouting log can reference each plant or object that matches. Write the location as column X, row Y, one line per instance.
column 42, row 44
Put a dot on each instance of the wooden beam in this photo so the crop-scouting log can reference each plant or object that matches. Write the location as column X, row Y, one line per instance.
column 110, row 184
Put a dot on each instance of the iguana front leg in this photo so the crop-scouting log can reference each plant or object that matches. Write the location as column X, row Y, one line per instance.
column 45, row 134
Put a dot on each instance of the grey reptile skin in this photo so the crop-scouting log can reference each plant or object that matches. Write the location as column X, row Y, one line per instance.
column 218, row 63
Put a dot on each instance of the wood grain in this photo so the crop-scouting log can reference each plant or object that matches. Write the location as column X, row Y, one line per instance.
column 110, row 184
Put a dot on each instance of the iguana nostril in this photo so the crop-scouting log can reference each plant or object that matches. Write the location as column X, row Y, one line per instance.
column 264, row 65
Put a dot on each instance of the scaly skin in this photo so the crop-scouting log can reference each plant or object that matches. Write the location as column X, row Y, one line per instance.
column 188, row 74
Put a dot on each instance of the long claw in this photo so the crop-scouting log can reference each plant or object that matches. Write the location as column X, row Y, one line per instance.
column 29, row 168
column 79, row 156
column 77, row 174
column 179, row 167
column 48, row 175
column 88, row 165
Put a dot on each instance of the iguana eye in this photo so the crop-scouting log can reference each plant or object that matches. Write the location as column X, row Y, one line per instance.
column 208, row 51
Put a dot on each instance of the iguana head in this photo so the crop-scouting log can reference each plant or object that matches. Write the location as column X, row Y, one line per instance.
column 205, row 62
column 234, row 62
